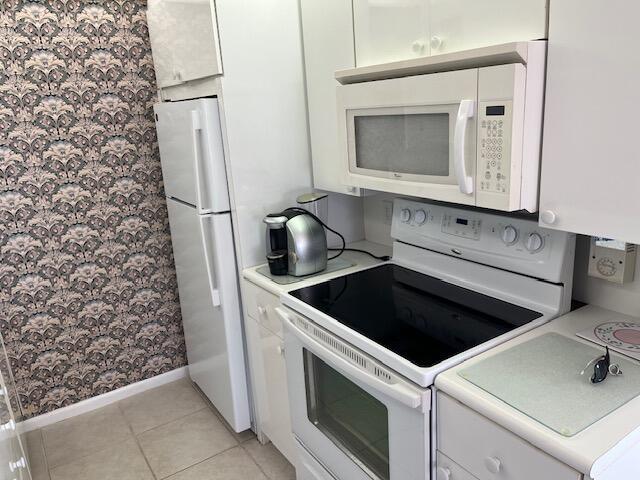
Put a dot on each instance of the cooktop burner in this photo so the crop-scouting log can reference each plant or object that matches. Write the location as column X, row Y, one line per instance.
column 421, row 318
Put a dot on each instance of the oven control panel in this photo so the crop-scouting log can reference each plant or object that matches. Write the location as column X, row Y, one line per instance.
column 465, row 226
column 512, row 243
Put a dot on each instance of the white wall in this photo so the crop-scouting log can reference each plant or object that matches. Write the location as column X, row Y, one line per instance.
column 346, row 215
column 377, row 217
column 263, row 101
column 621, row 298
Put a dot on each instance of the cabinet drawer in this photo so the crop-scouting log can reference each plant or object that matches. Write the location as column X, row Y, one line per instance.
column 261, row 305
column 489, row 451
column 447, row 469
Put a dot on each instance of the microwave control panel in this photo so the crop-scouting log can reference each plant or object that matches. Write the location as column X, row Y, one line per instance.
column 494, row 145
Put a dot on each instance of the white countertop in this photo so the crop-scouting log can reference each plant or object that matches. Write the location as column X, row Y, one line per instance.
column 361, row 261
column 612, row 439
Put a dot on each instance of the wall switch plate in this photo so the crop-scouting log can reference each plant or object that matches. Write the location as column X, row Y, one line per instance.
column 612, row 260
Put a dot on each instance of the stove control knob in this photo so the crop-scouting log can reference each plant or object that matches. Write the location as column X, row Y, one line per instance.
column 405, row 215
column 420, row 217
column 534, row 243
column 509, row 235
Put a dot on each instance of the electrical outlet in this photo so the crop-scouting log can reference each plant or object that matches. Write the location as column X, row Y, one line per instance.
column 388, row 211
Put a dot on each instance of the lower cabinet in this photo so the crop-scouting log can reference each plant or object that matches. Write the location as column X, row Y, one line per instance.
column 473, row 447
column 268, row 370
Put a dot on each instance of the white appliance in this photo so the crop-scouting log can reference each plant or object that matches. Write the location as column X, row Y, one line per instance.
column 195, row 182
column 469, row 136
column 362, row 350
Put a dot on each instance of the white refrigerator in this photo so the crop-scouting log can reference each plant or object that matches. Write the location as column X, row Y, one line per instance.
column 195, row 182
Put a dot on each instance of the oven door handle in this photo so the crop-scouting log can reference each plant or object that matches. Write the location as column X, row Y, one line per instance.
column 402, row 393
column 465, row 113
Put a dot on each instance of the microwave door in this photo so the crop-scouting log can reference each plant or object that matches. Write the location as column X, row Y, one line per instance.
column 413, row 136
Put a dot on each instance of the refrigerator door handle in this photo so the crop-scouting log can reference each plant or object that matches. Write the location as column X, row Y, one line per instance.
column 196, row 131
column 211, row 268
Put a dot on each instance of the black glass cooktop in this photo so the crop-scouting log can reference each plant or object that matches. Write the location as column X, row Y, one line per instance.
column 418, row 317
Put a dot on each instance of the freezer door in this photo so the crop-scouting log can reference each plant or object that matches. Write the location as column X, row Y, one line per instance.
column 209, row 300
column 191, row 153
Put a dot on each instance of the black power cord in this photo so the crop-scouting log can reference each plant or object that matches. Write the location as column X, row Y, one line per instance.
column 344, row 248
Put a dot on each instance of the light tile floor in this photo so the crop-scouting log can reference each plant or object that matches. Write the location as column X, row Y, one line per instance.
column 170, row 432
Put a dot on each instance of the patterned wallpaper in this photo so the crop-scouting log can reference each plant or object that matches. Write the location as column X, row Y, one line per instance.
column 88, row 299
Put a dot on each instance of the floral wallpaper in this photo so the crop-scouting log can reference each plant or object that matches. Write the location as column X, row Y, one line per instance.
column 88, row 299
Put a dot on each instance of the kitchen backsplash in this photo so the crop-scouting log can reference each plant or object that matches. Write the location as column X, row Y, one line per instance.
column 89, row 300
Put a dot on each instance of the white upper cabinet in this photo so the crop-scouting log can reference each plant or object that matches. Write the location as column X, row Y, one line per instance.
column 590, row 162
column 184, row 40
column 465, row 24
column 392, row 30
column 327, row 30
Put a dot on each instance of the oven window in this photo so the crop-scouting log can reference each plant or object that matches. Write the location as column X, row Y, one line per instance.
column 416, row 144
column 354, row 420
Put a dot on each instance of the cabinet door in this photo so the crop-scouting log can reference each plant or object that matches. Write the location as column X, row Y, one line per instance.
column 184, row 40
column 488, row 451
column 269, row 377
column 277, row 422
column 327, row 29
column 466, row 24
column 390, row 30
column 590, row 165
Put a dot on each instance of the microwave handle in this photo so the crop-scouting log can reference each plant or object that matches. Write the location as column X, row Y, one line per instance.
column 465, row 112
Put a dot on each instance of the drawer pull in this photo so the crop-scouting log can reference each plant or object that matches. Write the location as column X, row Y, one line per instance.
column 443, row 474
column 262, row 310
column 493, row 464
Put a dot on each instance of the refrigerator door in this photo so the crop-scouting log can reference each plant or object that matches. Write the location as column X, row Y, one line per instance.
column 191, row 153
column 209, row 300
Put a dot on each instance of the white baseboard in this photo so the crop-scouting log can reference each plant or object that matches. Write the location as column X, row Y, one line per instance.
column 99, row 401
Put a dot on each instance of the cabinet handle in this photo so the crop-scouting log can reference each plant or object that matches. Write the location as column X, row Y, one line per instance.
column 436, row 42
column 443, row 473
column 493, row 464
column 262, row 310
column 418, row 46
column 549, row 217
column 10, row 425
column 18, row 464
column 280, row 349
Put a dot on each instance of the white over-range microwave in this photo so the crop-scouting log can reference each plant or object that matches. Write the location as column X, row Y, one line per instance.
column 470, row 136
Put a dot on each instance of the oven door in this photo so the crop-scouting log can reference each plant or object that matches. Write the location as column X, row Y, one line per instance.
column 360, row 420
column 414, row 135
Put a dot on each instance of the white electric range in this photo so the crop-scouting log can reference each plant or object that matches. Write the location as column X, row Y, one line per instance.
column 363, row 350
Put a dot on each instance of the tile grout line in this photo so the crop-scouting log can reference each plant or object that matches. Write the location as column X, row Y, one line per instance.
column 44, row 454
column 256, row 462
column 135, row 439
column 80, row 457
column 215, row 411
column 201, row 461
column 110, row 445
column 166, row 423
